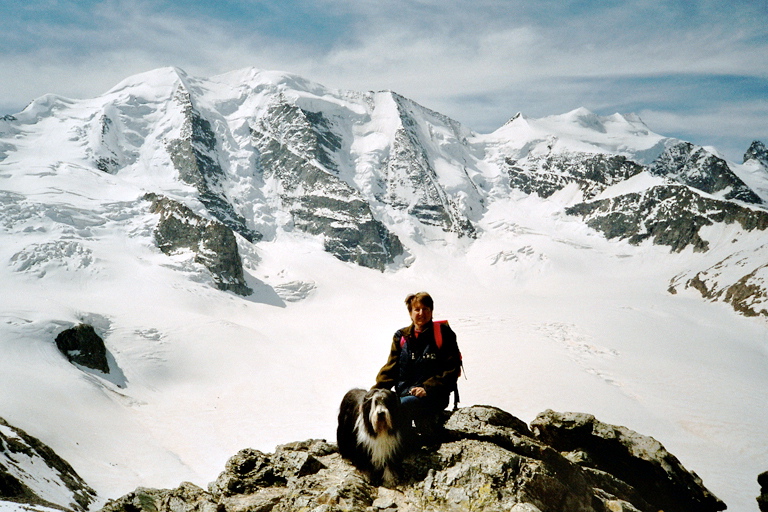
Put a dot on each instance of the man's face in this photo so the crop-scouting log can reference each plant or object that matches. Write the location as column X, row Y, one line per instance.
column 420, row 315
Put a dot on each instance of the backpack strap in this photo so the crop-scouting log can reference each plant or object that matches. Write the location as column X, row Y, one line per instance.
column 437, row 328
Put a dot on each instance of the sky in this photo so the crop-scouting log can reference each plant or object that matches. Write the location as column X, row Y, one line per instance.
column 697, row 70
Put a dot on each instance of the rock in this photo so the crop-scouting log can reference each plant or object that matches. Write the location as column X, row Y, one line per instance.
column 297, row 148
column 762, row 500
column 81, row 345
column 696, row 167
column 758, row 152
column 638, row 461
column 546, row 174
column 194, row 156
column 671, row 215
column 31, row 473
column 186, row 498
column 411, row 182
column 213, row 244
column 484, row 459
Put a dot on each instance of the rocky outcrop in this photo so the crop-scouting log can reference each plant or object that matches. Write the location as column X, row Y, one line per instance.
column 32, row 474
column 485, row 459
column 194, row 155
column 696, row 167
column 758, row 152
column 741, row 280
column 412, row 183
column 297, row 149
column 213, row 244
column 610, row 454
column 762, row 500
column 670, row 215
column 81, row 345
column 593, row 173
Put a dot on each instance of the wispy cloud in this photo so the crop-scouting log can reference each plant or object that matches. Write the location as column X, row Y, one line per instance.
column 479, row 61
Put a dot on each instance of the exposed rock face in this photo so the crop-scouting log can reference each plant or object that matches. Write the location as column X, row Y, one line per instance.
column 486, row 459
column 83, row 346
column 757, row 151
column 762, row 500
column 194, row 155
column 611, row 453
column 411, row 180
column 31, row 473
column 297, row 149
column 593, row 173
column 696, row 167
column 670, row 215
column 213, row 243
column 740, row 280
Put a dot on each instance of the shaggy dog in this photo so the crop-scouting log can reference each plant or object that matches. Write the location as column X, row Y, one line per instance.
column 369, row 433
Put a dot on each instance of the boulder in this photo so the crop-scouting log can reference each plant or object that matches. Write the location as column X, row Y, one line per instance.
column 762, row 500
column 617, row 453
column 81, row 345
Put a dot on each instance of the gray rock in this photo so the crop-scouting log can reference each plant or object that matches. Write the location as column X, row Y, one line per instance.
column 640, row 462
column 185, row 498
column 83, row 346
column 757, row 151
column 593, row 173
column 298, row 149
column 694, row 166
column 195, row 157
column 670, row 215
column 746, row 291
column 762, row 500
column 485, row 459
column 411, row 180
column 213, row 244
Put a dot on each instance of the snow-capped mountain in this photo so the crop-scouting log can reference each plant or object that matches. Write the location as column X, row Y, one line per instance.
column 243, row 242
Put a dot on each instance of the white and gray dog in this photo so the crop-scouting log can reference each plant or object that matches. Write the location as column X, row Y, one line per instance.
column 369, row 433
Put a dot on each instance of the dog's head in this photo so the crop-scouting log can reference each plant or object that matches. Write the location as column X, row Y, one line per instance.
column 380, row 406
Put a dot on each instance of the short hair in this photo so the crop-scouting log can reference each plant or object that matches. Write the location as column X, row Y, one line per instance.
column 423, row 298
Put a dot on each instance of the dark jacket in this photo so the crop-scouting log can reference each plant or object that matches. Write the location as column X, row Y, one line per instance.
column 419, row 363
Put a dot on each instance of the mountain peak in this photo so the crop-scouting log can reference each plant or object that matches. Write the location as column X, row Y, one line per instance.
column 758, row 152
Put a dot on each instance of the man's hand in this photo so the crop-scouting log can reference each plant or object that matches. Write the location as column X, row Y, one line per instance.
column 419, row 392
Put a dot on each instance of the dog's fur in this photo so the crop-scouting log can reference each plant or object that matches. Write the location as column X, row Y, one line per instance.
column 369, row 433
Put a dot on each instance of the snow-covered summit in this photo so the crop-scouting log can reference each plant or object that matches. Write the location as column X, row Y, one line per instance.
column 583, row 131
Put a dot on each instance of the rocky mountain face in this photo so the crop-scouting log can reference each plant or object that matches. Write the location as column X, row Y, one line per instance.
column 701, row 170
column 212, row 243
column 671, row 215
column 485, row 459
column 31, row 474
column 757, row 152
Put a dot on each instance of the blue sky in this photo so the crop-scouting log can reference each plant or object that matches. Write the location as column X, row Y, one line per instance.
column 697, row 70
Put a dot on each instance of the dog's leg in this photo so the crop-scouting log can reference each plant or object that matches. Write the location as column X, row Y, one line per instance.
column 389, row 478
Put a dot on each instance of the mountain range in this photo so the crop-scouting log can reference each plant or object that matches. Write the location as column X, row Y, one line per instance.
column 213, row 222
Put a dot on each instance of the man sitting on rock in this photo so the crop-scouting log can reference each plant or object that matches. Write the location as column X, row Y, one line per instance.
column 424, row 365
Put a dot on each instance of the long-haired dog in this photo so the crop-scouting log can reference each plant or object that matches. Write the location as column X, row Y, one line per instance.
column 369, row 433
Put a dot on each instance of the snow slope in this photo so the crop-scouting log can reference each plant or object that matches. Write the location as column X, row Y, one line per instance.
column 549, row 313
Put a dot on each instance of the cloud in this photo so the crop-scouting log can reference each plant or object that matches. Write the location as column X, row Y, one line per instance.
column 478, row 61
